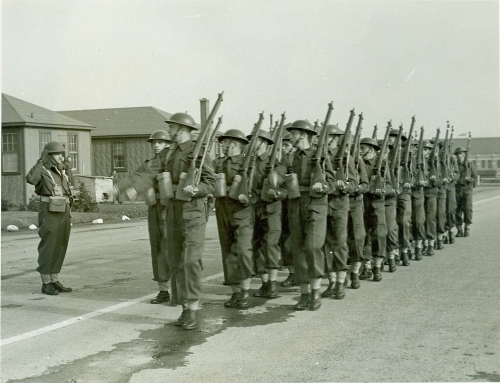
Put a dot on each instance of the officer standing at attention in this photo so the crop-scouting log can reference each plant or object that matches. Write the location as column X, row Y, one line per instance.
column 307, row 214
column 54, row 215
column 186, row 222
column 235, row 223
column 467, row 179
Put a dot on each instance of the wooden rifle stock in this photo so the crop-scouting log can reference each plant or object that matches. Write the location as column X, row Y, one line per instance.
column 406, row 159
column 445, row 171
column 395, row 154
column 318, row 175
column 420, row 160
column 208, row 147
column 374, row 134
column 377, row 181
column 357, row 138
column 467, row 172
column 433, row 170
column 341, row 169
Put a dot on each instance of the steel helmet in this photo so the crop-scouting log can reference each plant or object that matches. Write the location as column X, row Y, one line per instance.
column 287, row 137
column 334, row 130
column 234, row 134
column 183, row 119
column 459, row 149
column 380, row 143
column 395, row 132
column 427, row 145
column 369, row 141
column 263, row 134
column 303, row 125
column 159, row 135
column 54, row 147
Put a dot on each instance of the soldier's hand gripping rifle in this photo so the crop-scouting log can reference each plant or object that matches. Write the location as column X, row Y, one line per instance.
column 355, row 141
column 187, row 187
column 318, row 175
column 420, row 160
column 245, row 185
column 467, row 172
column 339, row 158
column 445, row 171
column 407, row 176
column 395, row 161
column 271, row 180
column 377, row 181
column 433, row 162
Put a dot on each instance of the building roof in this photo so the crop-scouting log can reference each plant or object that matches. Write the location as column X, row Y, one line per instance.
column 480, row 145
column 16, row 112
column 119, row 122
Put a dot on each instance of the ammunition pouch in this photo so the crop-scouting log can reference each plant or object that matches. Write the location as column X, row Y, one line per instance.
column 150, row 197
column 292, row 185
column 57, row 204
column 165, row 187
column 234, row 190
column 220, row 185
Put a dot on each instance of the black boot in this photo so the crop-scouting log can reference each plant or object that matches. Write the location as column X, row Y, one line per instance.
column 410, row 254
column 460, row 233
column 329, row 291
column 404, row 256
column 191, row 320
column 377, row 275
column 261, row 293
column 303, row 302
column 439, row 245
column 163, row 296
column 445, row 240
column 392, row 265
column 289, row 281
column 244, row 301
column 181, row 319
column 467, row 231
column 59, row 287
column 451, row 237
column 271, row 292
column 355, row 281
column 315, row 300
column 48, row 289
column 418, row 254
column 430, row 251
column 233, row 301
column 339, row 291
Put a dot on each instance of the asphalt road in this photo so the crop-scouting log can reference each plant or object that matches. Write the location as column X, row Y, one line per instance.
column 436, row 320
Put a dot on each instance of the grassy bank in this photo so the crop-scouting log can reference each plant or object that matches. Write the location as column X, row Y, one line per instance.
column 108, row 212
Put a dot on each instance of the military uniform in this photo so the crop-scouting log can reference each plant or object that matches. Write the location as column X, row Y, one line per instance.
column 464, row 191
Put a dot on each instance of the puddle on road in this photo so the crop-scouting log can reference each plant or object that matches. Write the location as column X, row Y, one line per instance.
column 486, row 376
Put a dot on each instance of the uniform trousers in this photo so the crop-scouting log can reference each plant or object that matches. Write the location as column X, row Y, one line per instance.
column 404, row 219
column 157, row 215
column 430, row 211
column 418, row 213
column 441, row 210
column 285, row 240
column 451, row 206
column 376, row 227
column 266, row 235
column 356, row 229
column 391, row 222
column 54, row 230
column 464, row 206
column 235, row 224
column 336, row 250
column 186, row 224
column 307, row 218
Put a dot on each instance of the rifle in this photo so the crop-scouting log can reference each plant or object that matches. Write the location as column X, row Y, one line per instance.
column 377, row 181
column 450, row 143
column 396, row 160
column 406, row 160
column 318, row 175
column 271, row 123
column 271, row 181
column 467, row 172
column 191, row 176
column 245, row 186
column 374, row 135
column 420, row 159
column 433, row 169
column 445, row 171
column 355, row 141
column 208, row 147
column 341, row 169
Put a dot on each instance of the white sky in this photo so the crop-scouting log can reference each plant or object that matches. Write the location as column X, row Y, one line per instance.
column 438, row 60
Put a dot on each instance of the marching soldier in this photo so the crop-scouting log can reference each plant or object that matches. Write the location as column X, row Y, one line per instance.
column 417, row 208
column 186, row 221
column 430, row 198
column 451, row 199
column 54, row 215
column 464, row 187
column 235, row 223
column 307, row 214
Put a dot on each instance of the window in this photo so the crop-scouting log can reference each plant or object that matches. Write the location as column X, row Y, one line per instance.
column 45, row 138
column 483, row 164
column 118, row 153
column 498, row 163
column 10, row 153
column 72, row 150
column 490, row 164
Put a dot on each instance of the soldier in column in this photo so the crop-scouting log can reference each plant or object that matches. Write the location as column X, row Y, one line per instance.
column 336, row 250
column 376, row 228
column 404, row 212
column 267, row 225
column 186, row 221
column 307, row 214
column 417, row 208
column 451, row 199
column 467, row 181
column 235, row 223
column 287, row 150
column 430, row 204
column 441, row 184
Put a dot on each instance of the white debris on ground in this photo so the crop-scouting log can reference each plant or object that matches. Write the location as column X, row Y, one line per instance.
column 32, row 227
column 125, row 218
column 12, row 228
column 99, row 220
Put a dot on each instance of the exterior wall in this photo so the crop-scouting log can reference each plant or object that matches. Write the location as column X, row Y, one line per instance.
column 100, row 188
column 14, row 184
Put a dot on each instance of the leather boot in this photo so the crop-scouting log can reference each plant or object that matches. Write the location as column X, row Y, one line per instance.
column 315, row 300
column 418, row 254
column 410, row 253
column 397, row 258
column 181, row 319
column 289, row 281
column 439, row 244
column 59, row 287
column 339, row 291
column 271, row 292
column 355, row 281
column 48, row 289
column 430, row 251
column 451, row 237
column 362, row 275
column 392, row 265
column 261, row 293
column 303, row 302
column 163, row 296
column 377, row 275
column 460, row 233
column 467, row 231
column 445, row 239
column 191, row 320
column 329, row 291
column 244, row 301
column 233, row 301
column 406, row 261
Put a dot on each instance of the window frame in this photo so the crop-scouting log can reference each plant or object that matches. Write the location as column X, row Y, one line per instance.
column 42, row 144
column 73, row 153
column 17, row 133
column 124, row 155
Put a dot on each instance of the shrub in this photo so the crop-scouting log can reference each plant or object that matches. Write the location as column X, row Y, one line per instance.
column 85, row 203
column 6, row 205
column 33, row 203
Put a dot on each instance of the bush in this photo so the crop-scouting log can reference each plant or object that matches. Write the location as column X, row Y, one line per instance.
column 33, row 203
column 6, row 205
column 84, row 203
